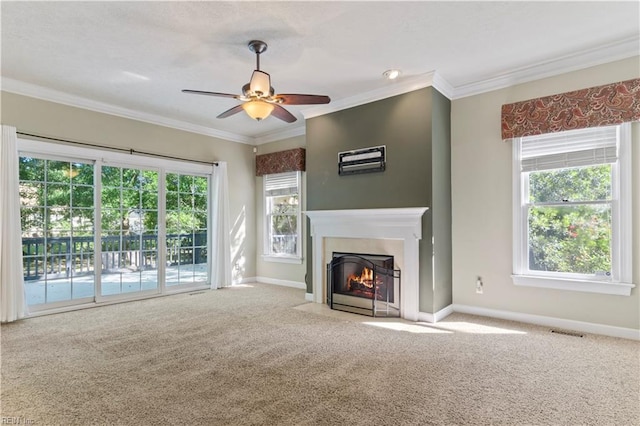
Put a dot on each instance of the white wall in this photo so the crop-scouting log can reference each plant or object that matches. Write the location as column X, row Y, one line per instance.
column 481, row 203
column 283, row 273
column 30, row 115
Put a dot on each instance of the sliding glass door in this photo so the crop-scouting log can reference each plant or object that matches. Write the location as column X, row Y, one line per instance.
column 143, row 228
column 186, row 225
column 57, row 215
column 129, row 238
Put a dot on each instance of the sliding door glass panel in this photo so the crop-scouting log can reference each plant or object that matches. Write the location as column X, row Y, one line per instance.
column 57, row 221
column 186, row 225
column 129, row 230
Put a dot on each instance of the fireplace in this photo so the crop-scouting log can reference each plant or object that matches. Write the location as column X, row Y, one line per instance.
column 363, row 284
column 396, row 224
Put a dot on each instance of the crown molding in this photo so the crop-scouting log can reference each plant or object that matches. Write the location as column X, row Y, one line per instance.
column 442, row 85
column 288, row 132
column 610, row 52
column 39, row 92
column 395, row 88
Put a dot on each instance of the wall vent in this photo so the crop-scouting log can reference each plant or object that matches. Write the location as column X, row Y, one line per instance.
column 567, row 333
column 367, row 160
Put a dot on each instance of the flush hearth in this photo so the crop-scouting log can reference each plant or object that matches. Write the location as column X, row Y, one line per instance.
column 364, row 284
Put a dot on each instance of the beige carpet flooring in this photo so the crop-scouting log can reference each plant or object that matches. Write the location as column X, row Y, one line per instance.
column 260, row 355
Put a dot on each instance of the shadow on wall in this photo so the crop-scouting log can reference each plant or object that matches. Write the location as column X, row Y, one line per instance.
column 238, row 260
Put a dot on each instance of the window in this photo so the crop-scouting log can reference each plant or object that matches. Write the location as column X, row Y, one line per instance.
column 572, row 210
column 282, row 234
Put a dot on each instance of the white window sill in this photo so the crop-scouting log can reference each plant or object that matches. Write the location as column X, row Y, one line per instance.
column 602, row 287
column 282, row 259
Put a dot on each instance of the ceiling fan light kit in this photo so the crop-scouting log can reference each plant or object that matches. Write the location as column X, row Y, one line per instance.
column 258, row 110
column 259, row 98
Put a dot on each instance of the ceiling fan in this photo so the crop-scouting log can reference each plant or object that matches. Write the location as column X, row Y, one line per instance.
column 258, row 97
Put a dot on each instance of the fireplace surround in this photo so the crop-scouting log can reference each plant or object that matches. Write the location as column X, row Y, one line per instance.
column 400, row 224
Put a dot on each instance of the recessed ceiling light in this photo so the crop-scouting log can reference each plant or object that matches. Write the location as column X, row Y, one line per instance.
column 391, row 74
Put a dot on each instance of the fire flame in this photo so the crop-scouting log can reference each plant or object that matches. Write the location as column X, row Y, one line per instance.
column 365, row 278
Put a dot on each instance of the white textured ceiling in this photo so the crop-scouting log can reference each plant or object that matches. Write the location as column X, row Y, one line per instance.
column 133, row 58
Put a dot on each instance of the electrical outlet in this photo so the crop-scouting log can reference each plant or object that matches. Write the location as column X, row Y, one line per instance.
column 479, row 285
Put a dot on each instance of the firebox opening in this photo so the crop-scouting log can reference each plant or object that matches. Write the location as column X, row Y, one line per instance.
column 363, row 275
column 363, row 283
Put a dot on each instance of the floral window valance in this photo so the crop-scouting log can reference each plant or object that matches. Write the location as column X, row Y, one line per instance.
column 597, row 106
column 291, row 160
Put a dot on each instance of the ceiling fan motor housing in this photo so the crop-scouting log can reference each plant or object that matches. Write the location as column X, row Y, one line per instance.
column 260, row 84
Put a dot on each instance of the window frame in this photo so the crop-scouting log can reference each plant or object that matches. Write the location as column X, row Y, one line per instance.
column 620, row 281
column 266, row 234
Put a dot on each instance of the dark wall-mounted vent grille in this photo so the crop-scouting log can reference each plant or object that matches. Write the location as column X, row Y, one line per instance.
column 567, row 333
column 367, row 160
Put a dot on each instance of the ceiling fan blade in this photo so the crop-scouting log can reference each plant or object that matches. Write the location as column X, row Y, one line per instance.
column 294, row 99
column 201, row 92
column 282, row 114
column 236, row 109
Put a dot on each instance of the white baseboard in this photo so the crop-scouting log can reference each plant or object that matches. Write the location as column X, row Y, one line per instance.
column 585, row 327
column 285, row 283
column 434, row 318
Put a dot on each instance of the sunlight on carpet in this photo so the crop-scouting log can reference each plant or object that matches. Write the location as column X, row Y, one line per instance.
column 474, row 328
column 408, row 327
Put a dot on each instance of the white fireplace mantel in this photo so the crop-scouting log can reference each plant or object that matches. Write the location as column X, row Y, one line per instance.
column 396, row 224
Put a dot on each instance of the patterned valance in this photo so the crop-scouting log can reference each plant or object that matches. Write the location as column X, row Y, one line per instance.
column 597, row 106
column 291, row 160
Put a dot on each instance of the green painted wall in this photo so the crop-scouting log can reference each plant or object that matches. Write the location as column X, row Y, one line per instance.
column 441, row 202
column 404, row 124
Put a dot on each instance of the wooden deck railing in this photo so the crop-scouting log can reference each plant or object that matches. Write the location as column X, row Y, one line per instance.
column 60, row 257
